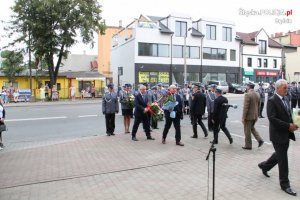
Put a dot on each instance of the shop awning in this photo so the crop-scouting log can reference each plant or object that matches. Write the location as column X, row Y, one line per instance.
column 90, row 78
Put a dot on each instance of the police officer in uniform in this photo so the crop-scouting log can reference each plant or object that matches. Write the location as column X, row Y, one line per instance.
column 220, row 116
column 110, row 106
column 198, row 105
column 262, row 95
column 210, row 98
column 294, row 96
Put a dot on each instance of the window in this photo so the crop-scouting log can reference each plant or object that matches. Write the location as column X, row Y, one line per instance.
column 163, row 50
column 262, row 47
column 210, row 32
column 180, row 29
column 194, row 52
column 157, row 50
column 258, row 62
column 227, row 34
column 177, row 51
column 265, row 63
column 232, row 55
column 274, row 63
column 214, row 53
column 249, row 62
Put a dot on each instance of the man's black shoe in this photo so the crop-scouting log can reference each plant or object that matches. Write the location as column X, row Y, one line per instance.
column 134, row 139
column 290, row 191
column 215, row 142
column 265, row 172
column 230, row 140
column 150, row 138
column 113, row 134
column 260, row 143
column 205, row 134
column 247, row 148
column 194, row 136
column 108, row 134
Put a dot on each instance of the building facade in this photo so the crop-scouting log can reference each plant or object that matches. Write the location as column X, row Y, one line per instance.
column 175, row 49
column 291, row 51
column 261, row 57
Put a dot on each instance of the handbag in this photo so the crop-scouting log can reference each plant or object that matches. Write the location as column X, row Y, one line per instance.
column 3, row 127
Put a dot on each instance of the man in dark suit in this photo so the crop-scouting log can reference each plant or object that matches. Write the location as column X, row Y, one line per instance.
column 198, row 105
column 281, row 130
column 219, row 116
column 141, row 113
column 176, row 120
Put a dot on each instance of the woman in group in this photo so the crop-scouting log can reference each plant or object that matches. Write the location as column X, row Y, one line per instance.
column 127, row 101
column 2, row 117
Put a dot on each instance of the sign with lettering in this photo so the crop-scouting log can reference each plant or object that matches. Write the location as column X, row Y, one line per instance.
column 163, row 77
column 266, row 73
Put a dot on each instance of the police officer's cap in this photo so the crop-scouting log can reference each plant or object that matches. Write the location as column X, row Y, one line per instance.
column 219, row 91
column 127, row 85
column 110, row 85
column 251, row 85
column 213, row 85
column 154, row 88
column 197, row 85
column 159, row 84
column 145, row 84
column 294, row 82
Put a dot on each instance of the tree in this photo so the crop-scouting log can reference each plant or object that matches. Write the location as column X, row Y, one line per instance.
column 49, row 27
column 12, row 64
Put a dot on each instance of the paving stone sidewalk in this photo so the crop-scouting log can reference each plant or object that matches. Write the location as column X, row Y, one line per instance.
column 115, row 168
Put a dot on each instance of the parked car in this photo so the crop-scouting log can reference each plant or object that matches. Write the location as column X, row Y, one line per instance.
column 236, row 88
column 220, row 85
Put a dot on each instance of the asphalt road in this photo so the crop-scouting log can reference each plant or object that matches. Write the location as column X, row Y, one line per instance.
column 31, row 126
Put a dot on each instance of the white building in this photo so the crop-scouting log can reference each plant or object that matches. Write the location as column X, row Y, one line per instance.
column 150, row 49
column 261, row 57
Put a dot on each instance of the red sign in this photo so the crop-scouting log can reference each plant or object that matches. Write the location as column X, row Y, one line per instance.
column 266, row 73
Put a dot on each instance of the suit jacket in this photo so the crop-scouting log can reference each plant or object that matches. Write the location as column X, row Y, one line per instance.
column 220, row 111
column 251, row 105
column 177, row 108
column 280, row 120
column 198, row 103
column 140, row 105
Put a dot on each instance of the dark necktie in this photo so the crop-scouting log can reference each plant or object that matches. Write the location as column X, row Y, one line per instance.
column 285, row 104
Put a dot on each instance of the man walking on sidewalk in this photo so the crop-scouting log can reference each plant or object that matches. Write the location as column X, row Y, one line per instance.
column 198, row 105
column 281, row 131
column 250, row 116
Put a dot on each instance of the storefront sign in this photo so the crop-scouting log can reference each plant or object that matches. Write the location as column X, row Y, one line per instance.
column 266, row 73
column 248, row 73
column 163, row 77
column 143, row 77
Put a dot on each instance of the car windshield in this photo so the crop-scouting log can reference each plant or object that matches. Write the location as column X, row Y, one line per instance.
column 222, row 83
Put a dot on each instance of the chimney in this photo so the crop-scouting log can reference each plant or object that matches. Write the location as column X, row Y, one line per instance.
column 120, row 23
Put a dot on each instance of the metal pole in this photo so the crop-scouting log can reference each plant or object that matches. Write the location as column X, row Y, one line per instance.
column 171, row 67
column 184, row 58
column 201, row 70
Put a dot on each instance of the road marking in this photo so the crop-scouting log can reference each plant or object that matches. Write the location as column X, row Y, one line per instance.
column 244, row 137
column 33, row 119
column 82, row 116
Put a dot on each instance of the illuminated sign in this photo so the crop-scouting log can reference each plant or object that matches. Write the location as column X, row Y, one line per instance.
column 266, row 73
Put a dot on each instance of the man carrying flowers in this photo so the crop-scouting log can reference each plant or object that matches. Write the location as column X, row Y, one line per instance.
column 173, row 114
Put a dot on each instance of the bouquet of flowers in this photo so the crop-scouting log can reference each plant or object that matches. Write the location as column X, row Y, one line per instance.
column 130, row 101
column 155, row 111
column 296, row 116
column 169, row 104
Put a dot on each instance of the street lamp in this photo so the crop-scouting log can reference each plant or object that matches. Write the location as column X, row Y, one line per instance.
column 184, row 55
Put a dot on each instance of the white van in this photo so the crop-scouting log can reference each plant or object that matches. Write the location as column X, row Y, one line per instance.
column 222, row 85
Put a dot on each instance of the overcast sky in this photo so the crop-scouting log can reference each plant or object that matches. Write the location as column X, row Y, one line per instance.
column 128, row 10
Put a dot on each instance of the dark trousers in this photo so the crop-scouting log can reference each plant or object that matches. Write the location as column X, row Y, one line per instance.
column 294, row 103
column 197, row 119
column 298, row 103
column 220, row 125
column 261, row 108
column 110, row 122
column 153, row 123
column 176, row 123
column 146, row 126
column 280, row 157
column 209, row 121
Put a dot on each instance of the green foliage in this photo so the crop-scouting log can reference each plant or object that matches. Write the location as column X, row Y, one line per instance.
column 12, row 64
column 49, row 27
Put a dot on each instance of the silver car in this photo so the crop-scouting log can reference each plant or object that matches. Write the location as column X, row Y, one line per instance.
column 222, row 85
